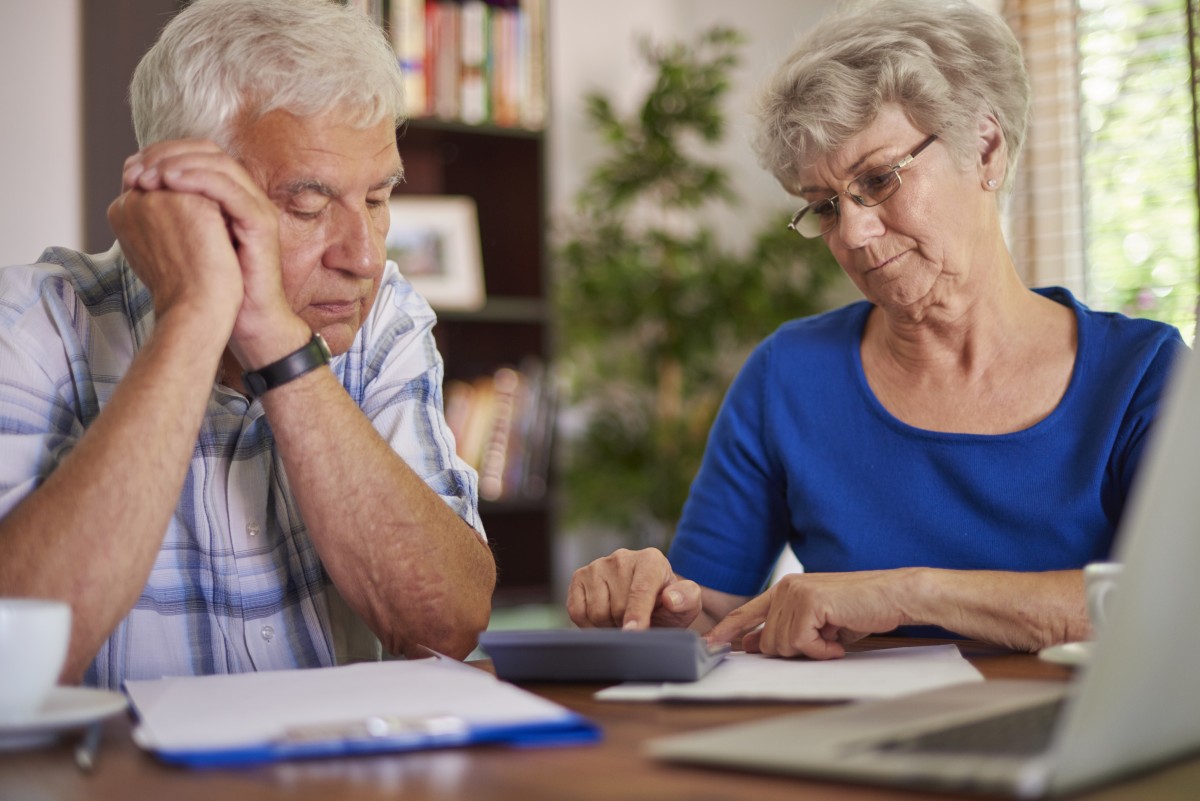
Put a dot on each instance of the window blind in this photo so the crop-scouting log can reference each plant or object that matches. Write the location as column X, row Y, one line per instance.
column 1122, row 73
column 1045, row 211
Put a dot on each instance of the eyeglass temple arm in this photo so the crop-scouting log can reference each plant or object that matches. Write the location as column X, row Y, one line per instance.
column 904, row 162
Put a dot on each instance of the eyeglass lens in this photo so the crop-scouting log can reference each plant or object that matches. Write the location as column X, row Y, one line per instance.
column 869, row 189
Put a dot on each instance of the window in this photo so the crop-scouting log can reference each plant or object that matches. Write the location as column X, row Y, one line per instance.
column 1106, row 200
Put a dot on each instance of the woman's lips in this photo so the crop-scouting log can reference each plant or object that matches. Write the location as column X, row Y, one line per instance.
column 884, row 263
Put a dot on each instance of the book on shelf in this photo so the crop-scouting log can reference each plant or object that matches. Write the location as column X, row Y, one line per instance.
column 406, row 26
column 502, row 48
column 471, row 61
column 503, row 427
column 531, row 62
column 441, row 59
column 474, row 62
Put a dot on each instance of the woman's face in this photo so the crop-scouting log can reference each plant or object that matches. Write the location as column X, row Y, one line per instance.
column 907, row 253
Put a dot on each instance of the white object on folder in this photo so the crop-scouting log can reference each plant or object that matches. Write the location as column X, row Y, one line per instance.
column 362, row 708
column 882, row 673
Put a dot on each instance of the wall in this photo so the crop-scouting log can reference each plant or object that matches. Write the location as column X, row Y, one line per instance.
column 40, row 143
column 593, row 48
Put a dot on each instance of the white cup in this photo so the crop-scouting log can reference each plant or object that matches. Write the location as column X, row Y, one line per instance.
column 1100, row 582
column 33, row 646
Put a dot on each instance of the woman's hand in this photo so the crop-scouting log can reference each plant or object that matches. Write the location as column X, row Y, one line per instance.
column 633, row 590
column 816, row 614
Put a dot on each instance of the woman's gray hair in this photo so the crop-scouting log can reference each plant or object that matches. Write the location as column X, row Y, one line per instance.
column 218, row 61
column 946, row 63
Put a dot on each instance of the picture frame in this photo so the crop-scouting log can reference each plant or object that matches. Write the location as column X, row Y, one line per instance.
column 434, row 239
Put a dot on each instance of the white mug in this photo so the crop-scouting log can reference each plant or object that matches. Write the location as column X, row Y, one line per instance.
column 1100, row 582
column 33, row 646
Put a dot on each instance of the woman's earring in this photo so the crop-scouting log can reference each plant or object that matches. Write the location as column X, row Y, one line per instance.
column 991, row 183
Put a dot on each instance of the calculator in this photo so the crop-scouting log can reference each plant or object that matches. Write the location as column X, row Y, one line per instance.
column 601, row 655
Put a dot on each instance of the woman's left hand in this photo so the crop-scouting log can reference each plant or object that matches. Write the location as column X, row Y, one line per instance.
column 816, row 614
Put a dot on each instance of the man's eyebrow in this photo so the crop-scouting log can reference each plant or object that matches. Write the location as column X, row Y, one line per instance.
column 299, row 187
column 391, row 181
column 302, row 185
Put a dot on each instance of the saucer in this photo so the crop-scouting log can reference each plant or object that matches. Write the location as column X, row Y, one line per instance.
column 65, row 708
column 1068, row 653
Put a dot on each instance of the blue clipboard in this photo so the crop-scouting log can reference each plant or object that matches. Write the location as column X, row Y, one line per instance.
column 369, row 708
column 573, row 730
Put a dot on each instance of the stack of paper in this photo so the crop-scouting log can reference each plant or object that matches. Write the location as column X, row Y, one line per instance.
column 882, row 673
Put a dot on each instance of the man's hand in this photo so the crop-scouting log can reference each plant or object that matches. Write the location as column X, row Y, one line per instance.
column 200, row 169
column 815, row 615
column 632, row 589
column 178, row 245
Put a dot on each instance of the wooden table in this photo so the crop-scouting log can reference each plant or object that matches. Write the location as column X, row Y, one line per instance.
column 614, row 769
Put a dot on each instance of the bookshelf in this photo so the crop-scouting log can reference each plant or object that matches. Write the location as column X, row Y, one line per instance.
column 475, row 79
column 502, row 169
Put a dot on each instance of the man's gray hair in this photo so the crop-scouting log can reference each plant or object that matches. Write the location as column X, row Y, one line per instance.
column 219, row 61
column 945, row 63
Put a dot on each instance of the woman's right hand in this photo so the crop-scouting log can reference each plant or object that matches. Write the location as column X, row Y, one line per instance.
column 632, row 590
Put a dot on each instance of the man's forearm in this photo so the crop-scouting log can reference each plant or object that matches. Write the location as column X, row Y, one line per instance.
column 397, row 552
column 90, row 533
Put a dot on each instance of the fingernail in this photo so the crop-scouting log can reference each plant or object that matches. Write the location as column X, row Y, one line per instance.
column 149, row 175
column 675, row 597
column 630, row 624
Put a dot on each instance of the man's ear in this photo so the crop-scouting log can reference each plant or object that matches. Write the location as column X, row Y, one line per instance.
column 993, row 156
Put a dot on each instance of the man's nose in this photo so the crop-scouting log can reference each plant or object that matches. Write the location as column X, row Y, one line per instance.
column 356, row 247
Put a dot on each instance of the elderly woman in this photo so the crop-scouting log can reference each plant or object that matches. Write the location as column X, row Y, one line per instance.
column 948, row 452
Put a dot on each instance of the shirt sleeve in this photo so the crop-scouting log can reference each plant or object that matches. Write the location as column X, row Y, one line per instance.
column 40, row 404
column 395, row 373
column 735, row 520
column 1144, row 405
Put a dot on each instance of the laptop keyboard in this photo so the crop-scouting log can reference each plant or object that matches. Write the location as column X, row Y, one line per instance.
column 1020, row 733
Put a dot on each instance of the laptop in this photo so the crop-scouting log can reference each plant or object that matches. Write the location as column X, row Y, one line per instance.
column 1136, row 705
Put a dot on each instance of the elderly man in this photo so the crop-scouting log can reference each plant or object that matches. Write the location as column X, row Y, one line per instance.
column 183, row 461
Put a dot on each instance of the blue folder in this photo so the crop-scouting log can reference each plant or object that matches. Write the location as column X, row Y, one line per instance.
column 369, row 708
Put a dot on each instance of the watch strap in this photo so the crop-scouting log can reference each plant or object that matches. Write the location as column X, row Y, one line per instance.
column 297, row 363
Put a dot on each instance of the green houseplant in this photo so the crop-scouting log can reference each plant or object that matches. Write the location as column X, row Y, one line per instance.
column 655, row 315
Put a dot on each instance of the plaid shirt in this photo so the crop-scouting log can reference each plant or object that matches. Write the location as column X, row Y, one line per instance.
column 237, row 584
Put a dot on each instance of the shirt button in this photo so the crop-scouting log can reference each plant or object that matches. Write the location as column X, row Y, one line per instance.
column 252, row 529
column 268, row 633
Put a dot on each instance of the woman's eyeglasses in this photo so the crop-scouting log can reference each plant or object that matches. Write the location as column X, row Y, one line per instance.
column 867, row 189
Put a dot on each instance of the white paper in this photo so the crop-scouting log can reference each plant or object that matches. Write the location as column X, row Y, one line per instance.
column 882, row 673
column 248, row 709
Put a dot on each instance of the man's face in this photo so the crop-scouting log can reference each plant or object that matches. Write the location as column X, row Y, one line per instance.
column 331, row 184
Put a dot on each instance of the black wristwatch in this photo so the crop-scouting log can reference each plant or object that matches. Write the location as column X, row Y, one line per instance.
column 313, row 355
